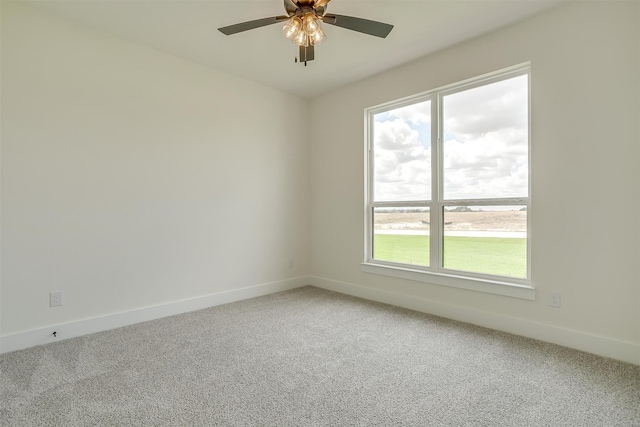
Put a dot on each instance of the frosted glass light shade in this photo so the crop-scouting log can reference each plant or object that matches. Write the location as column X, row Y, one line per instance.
column 292, row 27
column 310, row 23
column 317, row 37
column 301, row 39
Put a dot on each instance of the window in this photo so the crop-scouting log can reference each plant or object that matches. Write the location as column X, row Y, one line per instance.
column 448, row 185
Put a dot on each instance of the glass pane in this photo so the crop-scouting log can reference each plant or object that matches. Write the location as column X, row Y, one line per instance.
column 486, row 141
column 402, row 153
column 401, row 235
column 486, row 239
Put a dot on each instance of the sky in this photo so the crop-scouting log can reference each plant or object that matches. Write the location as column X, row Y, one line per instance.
column 485, row 145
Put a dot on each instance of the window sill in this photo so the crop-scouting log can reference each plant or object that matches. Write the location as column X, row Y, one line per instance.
column 514, row 290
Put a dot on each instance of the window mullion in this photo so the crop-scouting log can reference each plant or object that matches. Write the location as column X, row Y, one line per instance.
column 488, row 202
column 436, row 185
column 369, row 183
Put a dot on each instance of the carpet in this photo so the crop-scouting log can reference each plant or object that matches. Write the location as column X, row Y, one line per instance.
column 310, row 357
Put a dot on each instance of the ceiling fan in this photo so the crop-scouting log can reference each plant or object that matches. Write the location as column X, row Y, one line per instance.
column 303, row 25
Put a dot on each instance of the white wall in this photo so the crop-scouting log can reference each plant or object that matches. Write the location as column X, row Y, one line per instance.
column 131, row 178
column 585, row 161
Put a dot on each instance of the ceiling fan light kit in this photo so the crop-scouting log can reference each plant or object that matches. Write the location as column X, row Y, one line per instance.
column 303, row 25
column 305, row 31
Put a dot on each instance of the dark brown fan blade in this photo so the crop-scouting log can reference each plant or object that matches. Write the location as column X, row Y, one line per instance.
column 373, row 28
column 250, row 25
column 290, row 7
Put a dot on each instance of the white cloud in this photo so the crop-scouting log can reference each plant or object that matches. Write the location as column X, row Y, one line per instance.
column 415, row 113
column 489, row 108
column 485, row 149
column 394, row 135
column 494, row 165
column 402, row 163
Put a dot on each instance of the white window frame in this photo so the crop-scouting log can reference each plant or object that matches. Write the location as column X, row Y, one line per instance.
column 434, row 274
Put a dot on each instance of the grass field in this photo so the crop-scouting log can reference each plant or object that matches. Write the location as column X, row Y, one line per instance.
column 490, row 255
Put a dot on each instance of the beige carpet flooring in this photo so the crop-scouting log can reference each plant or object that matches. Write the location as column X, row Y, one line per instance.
column 311, row 357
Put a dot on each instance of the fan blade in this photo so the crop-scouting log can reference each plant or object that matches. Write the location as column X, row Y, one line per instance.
column 250, row 25
column 320, row 3
column 306, row 53
column 290, row 7
column 373, row 28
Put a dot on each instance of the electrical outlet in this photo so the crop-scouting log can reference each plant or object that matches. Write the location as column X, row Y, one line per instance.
column 554, row 299
column 55, row 299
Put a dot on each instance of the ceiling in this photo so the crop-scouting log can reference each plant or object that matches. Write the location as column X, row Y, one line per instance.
column 188, row 29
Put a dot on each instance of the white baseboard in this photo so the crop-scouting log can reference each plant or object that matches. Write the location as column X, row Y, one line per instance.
column 77, row 328
column 607, row 347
